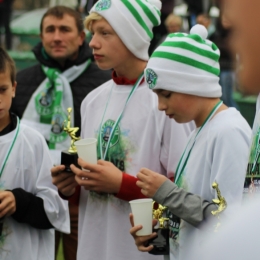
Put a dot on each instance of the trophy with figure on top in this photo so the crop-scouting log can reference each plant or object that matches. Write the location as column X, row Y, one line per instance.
column 70, row 156
column 161, row 242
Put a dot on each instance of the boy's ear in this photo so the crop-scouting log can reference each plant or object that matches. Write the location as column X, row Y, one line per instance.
column 14, row 89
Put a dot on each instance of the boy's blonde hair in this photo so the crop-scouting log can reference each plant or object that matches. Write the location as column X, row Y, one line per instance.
column 89, row 20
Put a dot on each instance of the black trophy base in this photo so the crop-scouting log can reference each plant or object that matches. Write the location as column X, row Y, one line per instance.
column 67, row 159
column 160, row 243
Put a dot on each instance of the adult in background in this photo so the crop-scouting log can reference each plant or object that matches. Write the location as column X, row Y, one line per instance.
column 196, row 7
column 221, row 38
column 65, row 69
column 205, row 20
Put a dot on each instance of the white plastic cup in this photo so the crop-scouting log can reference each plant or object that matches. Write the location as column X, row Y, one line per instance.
column 142, row 210
column 87, row 149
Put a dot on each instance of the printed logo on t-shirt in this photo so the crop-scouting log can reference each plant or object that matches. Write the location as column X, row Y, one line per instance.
column 119, row 153
column 252, row 180
column 174, row 225
column 106, row 132
column 44, row 102
column 151, row 78
column 103, row 5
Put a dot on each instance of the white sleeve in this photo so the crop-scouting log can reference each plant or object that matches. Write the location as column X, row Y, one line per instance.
column 229, row 161
column 55, row 207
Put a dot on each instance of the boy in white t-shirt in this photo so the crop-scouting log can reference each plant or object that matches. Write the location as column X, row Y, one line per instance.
column 132, row 133
column 30, row 205
column 217, row 150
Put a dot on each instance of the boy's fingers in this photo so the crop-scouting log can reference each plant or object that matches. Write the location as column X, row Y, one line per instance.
column 57, row 170
column 88, row 166
column 145, row 249
column 134, row 229
column 131, row 216
column 141, row 176
column 145, row 171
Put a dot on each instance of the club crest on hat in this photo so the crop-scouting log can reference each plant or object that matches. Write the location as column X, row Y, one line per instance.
column 103, row 5
column 151, row 78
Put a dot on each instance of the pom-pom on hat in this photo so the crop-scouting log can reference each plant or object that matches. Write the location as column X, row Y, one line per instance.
column 186, row 63
column 133, row 21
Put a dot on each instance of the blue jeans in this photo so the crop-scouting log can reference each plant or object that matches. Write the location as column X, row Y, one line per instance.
column 226, row 82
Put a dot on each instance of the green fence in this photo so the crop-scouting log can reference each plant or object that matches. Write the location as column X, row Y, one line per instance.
column 247, row 106
column 22, row 59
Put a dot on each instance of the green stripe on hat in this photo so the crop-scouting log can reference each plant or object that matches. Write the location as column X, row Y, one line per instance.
column 139, row 19
column 194, row 37
column 185, row 60
column 190, row 47
column 148, row 13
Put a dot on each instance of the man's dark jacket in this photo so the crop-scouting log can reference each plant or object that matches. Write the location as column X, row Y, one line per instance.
column 28, row 80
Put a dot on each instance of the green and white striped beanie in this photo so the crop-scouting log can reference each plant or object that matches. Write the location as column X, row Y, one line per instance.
column 186, row 63
column 133, row 21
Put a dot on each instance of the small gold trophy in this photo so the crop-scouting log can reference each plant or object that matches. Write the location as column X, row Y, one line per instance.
column 70, row 156
column 220, row 202
column 161, row 242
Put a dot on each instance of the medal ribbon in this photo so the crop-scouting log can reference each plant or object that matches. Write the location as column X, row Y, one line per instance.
column 186, row 154
column 104, row 155
column 10, row 148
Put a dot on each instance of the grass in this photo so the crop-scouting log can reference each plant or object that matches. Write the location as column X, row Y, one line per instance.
column 60, row 252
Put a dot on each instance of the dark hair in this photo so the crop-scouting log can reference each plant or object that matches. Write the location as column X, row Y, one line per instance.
column 7, row 63
column 60, row 10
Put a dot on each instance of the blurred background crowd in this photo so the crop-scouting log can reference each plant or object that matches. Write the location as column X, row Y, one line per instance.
column 19, row 33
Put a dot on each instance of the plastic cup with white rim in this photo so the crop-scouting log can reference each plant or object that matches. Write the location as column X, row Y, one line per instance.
column 87, row 149
column 142, row 210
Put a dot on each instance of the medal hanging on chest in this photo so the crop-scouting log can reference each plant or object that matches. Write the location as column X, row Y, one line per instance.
column 111, row 132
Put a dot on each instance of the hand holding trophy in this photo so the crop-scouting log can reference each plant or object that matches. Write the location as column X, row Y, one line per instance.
column 70, row 156
column 161, row 242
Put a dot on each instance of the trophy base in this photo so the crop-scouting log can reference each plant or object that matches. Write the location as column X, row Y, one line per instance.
column 160, row 243
column 67, row 159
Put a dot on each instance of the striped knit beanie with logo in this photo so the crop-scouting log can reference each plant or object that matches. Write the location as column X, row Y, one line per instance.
column 186, row 63
column 133, row 21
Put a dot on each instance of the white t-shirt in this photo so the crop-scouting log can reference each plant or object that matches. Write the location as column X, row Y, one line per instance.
column 145, row 138
column 219, row 154
column 28, row 167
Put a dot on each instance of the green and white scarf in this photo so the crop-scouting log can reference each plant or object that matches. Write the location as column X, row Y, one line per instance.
column 47, row 108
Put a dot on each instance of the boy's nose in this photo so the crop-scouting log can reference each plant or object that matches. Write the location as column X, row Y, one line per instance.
column 94, row 43
column 161, row 105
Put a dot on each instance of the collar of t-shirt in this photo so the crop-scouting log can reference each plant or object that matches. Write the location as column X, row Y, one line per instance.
column 123, row 80
column 10, row 127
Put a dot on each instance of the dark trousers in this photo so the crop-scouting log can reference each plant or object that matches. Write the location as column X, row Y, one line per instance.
column 69, row 241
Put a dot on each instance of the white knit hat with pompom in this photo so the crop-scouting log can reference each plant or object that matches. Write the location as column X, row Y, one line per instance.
column 133, row 21
column 186, row 63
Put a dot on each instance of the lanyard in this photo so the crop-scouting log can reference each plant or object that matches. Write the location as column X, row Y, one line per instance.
column 104, row 155
column 186, row 154
column 10, row 148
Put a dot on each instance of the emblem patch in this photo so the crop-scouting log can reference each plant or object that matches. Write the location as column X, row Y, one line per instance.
column 106, row 131
column 151, row 78
column 103, row 5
